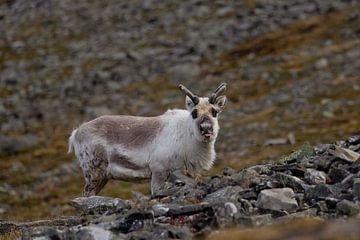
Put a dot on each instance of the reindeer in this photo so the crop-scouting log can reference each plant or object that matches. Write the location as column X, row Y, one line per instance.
column 133, row 148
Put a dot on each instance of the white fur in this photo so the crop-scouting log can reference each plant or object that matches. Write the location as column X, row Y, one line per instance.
column 178, row 145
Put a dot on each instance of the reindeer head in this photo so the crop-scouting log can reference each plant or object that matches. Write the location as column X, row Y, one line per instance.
column 204, row 112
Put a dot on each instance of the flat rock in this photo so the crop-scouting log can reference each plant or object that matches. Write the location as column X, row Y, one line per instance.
column 345, row 154
column 278, row 199
column 99, row 205
column 253, row 221
column 230, row 193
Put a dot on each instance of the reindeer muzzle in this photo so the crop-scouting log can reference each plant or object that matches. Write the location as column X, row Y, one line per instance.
column 206, row 128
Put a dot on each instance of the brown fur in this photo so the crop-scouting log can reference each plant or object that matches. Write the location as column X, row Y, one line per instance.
column 123, row 161
column 128, row 131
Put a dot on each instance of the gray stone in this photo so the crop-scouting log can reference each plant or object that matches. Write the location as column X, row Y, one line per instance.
column 253, row 221
column 313, row 176
column 178, row 178
column 356, row 188
column 247, row 178
column 354, row 139
column 320, row 191
column 230, row 193
column 293, row 182
column 278, row 199
column 348, row 208
column 99, row 205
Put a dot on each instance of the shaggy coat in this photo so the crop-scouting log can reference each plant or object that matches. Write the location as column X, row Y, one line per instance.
column 132, row 148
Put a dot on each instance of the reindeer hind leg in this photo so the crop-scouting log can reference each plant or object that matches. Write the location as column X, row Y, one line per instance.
column 95, row 171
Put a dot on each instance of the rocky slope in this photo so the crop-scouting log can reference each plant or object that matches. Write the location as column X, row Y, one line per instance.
column 322, row 182
column 292, row 68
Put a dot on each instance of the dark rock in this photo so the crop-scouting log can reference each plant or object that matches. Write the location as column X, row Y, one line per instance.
column 354, row 140
column 338, row 174
column 355, row 167
column 355, row 148
column 356, row 188
column 230, row 193
column 228, row 171
column 320, row 191
column 348, row 208
column 324, row 161
column 99, row 205
column 322, row 206
column 6, row 226
column 347, row 182
column 321, row 148
column 278, row 199
column 291, row 181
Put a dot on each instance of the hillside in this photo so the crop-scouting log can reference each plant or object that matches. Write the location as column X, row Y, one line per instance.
column 292, row 67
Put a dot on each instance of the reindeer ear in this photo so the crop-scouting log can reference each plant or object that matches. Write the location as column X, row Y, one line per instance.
column 189, row 103
column 220, row 102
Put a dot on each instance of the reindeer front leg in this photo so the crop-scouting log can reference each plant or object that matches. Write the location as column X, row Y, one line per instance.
column 160, row 171
column 158, row 179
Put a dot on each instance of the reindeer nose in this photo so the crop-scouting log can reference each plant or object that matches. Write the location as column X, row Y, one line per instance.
column 206, row 126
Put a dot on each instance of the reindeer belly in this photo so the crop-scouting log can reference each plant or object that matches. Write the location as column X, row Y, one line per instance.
column 121, row 167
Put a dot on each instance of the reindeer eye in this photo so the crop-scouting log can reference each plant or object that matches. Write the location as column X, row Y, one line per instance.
column 214, row 112
column 194, row 114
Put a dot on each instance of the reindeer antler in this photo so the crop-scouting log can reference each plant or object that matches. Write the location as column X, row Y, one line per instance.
column 192, row 96
column 214, row 95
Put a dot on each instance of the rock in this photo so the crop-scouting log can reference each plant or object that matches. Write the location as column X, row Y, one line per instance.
column 348, row 208
column 345, row 154
column 293, row 182
column 321, row 63
column 323, row 162
column 230, row 193
column 93, row 232
column 15, row 144
column 338, row 174
column 311, row 212
column 179, row 179
column 253, row 221
column 356, row 188
column 353, row 140
column 319, row 191
column 174, row 210
column 313, row 176
column 99, row 205
column 276, row 141
column 321, row 206
column 247, row 178
column 291, row 138
column 278, row 199
column 6, row 226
